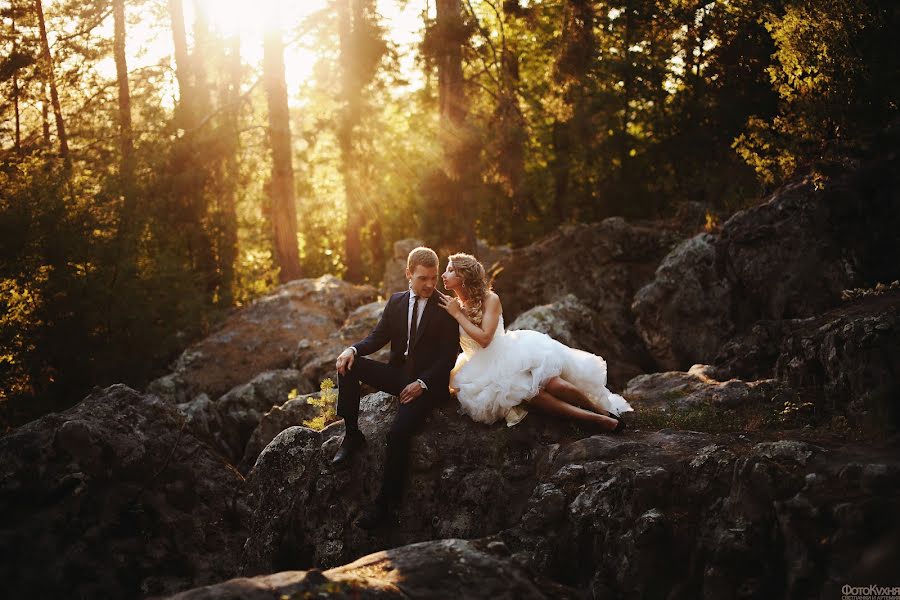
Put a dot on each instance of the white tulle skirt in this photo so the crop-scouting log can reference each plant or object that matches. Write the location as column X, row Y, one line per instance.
column 496, row 382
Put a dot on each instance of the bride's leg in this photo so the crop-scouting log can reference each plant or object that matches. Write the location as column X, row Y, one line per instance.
column 567, row 392
column 547, row 402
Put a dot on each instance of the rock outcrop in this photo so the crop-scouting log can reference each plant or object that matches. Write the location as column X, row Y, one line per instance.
column 577, row 325
column 114, row 498
column 549, row 510
column 293, row 412
column 314, row 358
column 601, row 265
column 697, row 387
column 264, row 336
column 788, row 258
column 674, row 514
column 444, row 569
column 465, row 483
column 227, row 423
column 847, row 361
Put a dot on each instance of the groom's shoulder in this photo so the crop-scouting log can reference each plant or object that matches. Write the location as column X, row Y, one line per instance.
column 396, row 296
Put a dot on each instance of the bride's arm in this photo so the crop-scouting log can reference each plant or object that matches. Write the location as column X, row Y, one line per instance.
column 489, row 320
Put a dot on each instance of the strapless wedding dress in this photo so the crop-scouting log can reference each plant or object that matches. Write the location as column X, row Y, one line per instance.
column 496, row 382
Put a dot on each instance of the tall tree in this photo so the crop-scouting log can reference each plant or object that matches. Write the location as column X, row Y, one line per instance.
column 51, row 81
column 226, row 198
column 573, row 130
column 361, row 50
column 184, row 117
column 202, row 101
column 451, row 191
column 126, row 137
column 283, row 213
column 15, row 83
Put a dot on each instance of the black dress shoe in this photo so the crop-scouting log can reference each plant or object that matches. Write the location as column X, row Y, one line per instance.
column 352, row 442
column 374, row 516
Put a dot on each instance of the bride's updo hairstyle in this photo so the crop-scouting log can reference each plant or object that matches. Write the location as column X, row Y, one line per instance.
column 475, row 282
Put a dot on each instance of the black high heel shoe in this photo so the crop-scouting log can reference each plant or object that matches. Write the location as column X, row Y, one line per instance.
column 620, row 424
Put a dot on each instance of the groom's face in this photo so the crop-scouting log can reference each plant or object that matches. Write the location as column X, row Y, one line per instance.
column 423, row 280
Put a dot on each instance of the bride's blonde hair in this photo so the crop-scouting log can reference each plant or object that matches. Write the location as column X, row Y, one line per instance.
column 475, row 282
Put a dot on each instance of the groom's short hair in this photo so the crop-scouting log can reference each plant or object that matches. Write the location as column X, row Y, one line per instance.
column 421, row 256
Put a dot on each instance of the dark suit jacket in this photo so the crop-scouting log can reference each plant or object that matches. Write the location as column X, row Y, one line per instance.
column 433, row 352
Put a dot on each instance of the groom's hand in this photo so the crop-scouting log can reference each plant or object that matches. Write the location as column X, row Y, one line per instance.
column 345, row 361
column 411, row 392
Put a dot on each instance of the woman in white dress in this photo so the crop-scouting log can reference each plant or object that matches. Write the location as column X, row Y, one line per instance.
column 503, row 374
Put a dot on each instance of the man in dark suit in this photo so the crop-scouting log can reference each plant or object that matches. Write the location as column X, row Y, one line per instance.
column 424, row 345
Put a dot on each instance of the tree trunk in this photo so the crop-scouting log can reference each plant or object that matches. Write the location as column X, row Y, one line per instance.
column 227, row 231
column 201, row 92
column 126, row 139
column 184, row 117
column 284, row 209
column 348, row 15
column 451, row 91
column 45, row 115
column 15, row 82
column 48, row 75
column 458, row 143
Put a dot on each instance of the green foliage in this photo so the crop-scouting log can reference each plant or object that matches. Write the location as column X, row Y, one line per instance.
column 77, row 313
column 835, row 72
column 327, row 402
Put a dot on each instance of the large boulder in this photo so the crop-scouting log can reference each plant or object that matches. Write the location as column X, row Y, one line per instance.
column 295, row 411
column 264, row 336
column 684, row 311
column 790, row 257
column 601, row 265
column 315, row 358
column 577, row 325
column 680, row 514
column 466, row 480
column 847, row 361
column 228, row 422
column 445, row 569
column 114, row 498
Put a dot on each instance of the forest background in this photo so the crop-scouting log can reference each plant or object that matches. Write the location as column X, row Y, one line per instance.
column 165, row 161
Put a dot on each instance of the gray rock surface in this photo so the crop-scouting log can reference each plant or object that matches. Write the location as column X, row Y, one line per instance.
column 787, row 258
column 596, row 513
column 315, row 358
column 445, row 569
column 602, row 265
column 577, row 325
column 227, row 423
column 293, row 412
column 114, row 498
column 697, row 387
column 847, row 361
column 262, row 337
column 683, row 314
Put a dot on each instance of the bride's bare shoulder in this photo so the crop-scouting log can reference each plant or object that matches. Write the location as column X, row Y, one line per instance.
column 491, row 298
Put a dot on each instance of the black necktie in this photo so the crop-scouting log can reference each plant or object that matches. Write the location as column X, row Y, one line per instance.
column 414, row 325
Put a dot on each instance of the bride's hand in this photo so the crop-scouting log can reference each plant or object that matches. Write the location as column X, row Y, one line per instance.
column 450, row 304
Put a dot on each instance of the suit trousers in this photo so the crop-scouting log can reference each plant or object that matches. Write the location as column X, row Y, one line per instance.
column 409, row 419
